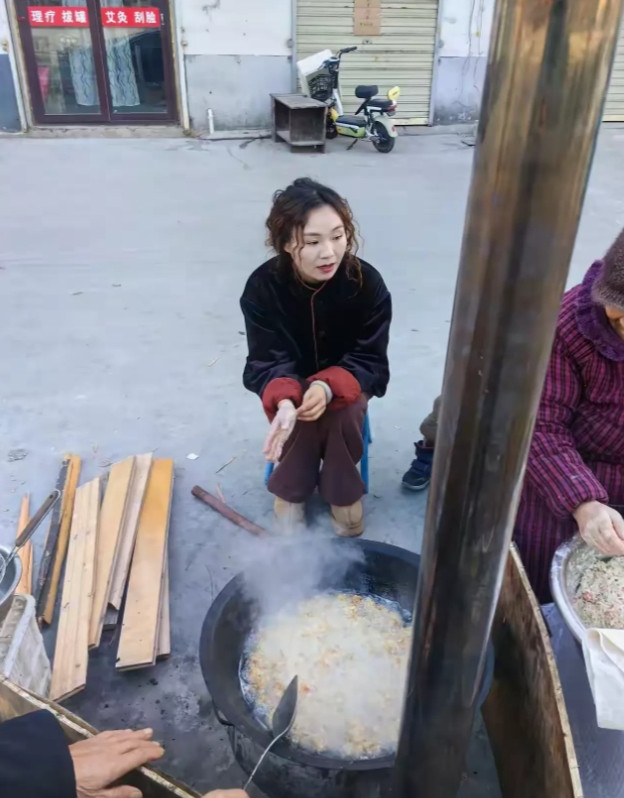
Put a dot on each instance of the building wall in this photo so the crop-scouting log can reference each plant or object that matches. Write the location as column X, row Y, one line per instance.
column 236, row 53
column 9, row 112
column 464, row 32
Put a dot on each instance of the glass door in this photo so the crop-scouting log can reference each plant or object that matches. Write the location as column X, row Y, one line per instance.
column 138, row 59
column 98, row 61
column 59, row 50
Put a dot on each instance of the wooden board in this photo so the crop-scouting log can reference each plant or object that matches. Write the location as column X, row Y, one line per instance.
column 139, row 631
column 112, row 515
column 15, row 702
column 525, row 712
column 163, row 649
column 69, row 672
column 24, row 586
column 142, row 466
column 45, row 609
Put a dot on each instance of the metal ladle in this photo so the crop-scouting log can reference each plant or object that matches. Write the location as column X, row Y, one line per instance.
column 281, row 722
column 28, row 532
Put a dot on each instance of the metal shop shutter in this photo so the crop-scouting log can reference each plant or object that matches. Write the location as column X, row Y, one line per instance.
column 614, row 106
column 401, row 56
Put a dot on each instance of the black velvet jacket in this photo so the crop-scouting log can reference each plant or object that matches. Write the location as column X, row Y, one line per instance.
column 34, row 758
column 337, row 332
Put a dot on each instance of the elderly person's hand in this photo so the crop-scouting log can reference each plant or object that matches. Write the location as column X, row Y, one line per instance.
column 227, row 794
column 102, row 760
column 601, row 527
column 280, row 431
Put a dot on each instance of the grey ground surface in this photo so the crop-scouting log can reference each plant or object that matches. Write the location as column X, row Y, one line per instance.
column 121, row 264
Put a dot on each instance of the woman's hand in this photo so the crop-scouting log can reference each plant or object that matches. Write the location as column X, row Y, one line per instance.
column 314, row 404
column 280, row 431
column 601, row 527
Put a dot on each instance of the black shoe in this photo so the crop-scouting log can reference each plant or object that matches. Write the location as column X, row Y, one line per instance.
column 419, row 475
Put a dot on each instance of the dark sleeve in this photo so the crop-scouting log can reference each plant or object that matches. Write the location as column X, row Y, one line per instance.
column 270, row 367
column 34, row 758
column 365, row 368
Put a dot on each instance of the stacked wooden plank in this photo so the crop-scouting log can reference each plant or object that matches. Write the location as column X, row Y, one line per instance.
column 112, row 517
column 121, row 567
column 116, row 545
column 69, row 673
column 147, row 597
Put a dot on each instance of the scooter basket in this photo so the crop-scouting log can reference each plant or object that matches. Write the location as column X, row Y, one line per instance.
column 321, row 87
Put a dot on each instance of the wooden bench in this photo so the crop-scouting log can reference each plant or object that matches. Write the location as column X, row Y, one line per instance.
column 299, row 121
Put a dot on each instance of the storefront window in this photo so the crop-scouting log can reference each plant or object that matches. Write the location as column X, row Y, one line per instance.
column 64, row 58
column 98, row 60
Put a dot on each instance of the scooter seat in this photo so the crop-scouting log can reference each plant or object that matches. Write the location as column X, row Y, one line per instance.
column 350, row 119
column 366, row 92
column 382, row 103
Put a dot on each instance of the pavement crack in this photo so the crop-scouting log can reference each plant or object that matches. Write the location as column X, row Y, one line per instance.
column 240, row 160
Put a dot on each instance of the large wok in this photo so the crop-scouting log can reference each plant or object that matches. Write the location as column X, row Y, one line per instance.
column 384, row 570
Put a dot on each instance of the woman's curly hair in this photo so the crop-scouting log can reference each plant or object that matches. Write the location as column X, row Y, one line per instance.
column 290, row 212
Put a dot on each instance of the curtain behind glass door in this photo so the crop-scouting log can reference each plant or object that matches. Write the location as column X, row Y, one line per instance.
column 134, row 53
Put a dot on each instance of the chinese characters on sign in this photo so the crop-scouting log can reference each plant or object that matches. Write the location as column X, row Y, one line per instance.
column 71, row 17
column 130, row 17
column 57, row 17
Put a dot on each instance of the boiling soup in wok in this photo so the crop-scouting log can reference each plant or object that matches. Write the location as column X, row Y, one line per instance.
column 350, row 652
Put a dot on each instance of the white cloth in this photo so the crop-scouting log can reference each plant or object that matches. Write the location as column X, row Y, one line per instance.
column 604, row 660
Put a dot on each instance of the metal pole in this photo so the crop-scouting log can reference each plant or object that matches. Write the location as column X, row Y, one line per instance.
column 549, row 65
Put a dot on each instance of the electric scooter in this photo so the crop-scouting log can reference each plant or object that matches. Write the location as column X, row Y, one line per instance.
column 320, row 75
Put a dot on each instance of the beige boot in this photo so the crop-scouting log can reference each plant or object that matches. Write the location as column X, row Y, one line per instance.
column 289, row 516
column 348, row 521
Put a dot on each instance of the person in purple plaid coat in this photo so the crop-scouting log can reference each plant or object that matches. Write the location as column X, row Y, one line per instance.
column 575, row 471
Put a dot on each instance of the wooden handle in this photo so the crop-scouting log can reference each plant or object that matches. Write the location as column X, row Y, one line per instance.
column 227, row 512
column 31, row 526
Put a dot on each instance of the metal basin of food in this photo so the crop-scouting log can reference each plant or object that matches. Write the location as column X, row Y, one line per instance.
column 9, row 582
column 570, row 561
column 565, row 570
column 385, row 571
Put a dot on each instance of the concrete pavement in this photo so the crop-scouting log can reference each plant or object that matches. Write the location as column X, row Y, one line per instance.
column 121, row 265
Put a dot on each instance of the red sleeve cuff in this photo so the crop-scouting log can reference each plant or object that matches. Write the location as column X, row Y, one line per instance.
column 345, row 388
column 279, row 389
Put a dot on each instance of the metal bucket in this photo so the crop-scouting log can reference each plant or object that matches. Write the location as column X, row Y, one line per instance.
column 562, row 584
column 9, row 582
column 563, row 579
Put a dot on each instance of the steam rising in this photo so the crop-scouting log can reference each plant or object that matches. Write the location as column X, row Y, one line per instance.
column 283, row 571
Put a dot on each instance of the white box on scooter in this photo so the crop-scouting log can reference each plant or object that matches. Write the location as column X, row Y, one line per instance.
column 308, row 66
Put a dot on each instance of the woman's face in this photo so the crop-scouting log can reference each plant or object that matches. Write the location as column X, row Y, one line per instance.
column 616, row 319
column 322, row 245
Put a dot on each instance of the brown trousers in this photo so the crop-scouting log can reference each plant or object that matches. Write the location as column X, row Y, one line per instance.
column 323, row 454
column 429, row 427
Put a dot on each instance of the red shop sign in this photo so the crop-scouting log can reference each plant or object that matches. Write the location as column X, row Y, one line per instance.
column 130, row 17
column 57, row 17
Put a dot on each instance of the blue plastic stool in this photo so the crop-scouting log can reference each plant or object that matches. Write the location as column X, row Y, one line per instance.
column 367, row 438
